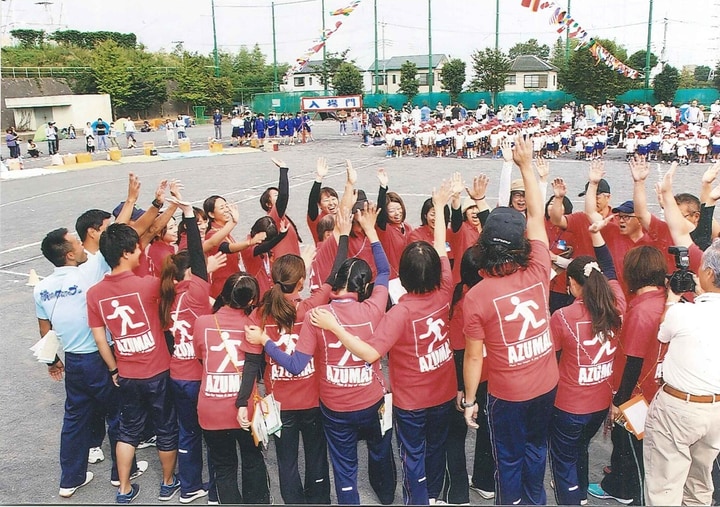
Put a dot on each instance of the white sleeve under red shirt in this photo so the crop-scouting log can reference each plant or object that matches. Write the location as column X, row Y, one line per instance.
column 510, row 314
column 290, row 244
column 127, row 305
column 586, row 363
column 192, row 300
column 347, row 383
column 222, row 366
column 416, row 331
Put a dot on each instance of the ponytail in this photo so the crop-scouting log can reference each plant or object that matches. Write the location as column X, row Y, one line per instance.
column 287, row 271
column 597, row 295
column 173, row 270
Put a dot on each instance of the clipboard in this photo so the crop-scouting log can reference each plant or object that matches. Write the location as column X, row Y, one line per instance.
column 634, row 411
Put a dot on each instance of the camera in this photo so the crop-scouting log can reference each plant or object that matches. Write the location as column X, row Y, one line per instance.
column 682, row 279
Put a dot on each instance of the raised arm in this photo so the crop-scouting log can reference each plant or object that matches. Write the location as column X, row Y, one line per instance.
column 557, row 210
column 367, row 219
column 456, row 188
column 673, row 216
column 505, row 172
column 383, row 179
column 440, row 199
column 522, row 156
column 349, row 195
column 640, row 169
column 132, row 197
column 321, row 170
column 283, row 188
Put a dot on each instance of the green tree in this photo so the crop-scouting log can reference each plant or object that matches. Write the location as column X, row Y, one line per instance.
column 325, row 71
column 716, row 80
column 348, row 80
column 29, row 38
column 409, row 84
column 637, row 62
column 491, row 68
column 666, row 83
column 702, row 72
column 452, row 77
column 531, row 47
column 687, row 79
column 109, row 65
column 196, row 84
column 591, row 81
column 149, row 87
column 557, row 56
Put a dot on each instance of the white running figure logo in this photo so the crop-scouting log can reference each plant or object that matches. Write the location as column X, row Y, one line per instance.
column 606, row 347
column 180, row 325
column 289, row 340
column 525, row 309
column 434, row 328
column 230, row 346
column 346, row 356
column 123, row 312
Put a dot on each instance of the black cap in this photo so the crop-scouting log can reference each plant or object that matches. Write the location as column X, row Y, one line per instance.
column 603, row 188
column 504, row 226
column 360, row 203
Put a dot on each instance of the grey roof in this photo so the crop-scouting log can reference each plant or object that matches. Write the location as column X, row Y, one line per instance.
column 396, row 62
column 530, row 63
column 314, row 66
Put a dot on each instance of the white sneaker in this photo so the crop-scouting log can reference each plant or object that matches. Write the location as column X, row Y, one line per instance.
column 487, row 495
column 95, row 455
column 142, row 466
column 68, row 492
column 193, row 496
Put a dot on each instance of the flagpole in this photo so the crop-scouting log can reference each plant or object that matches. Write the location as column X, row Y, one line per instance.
column 647, row 50
column 431, row 74
column 376, row 49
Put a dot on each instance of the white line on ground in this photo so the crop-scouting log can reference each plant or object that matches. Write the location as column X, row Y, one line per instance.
column 25, row 275
column 21, row 247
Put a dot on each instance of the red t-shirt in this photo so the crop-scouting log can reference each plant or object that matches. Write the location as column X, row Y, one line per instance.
column 127, row 305
column 394, row 239
column 358, row 247
column 586, row 363
column 192, row 299
column 258, row 266
column 294, row 392
column 157, row 251
column 422, row 233
column 555, row 235
column 231, row 267
column 144, row 267
column 510, row 313
column 639, row 339
column 290, row 243
column 312, row 225
column 415, row 331
column 660, row 238
column 620, row 244
column 460, row 241
column 347, row 383
column 577, row 226
column 457, row 336
column 221, row 372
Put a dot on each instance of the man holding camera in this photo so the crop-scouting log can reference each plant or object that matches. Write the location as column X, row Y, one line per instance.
column 682, row 430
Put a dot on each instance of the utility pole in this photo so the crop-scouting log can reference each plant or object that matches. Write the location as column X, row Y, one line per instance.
column 497, row 25
column 385, row 79
column 376, row 50
column 567, row 39
column 325, row 77
column 663, row 52
column 431, row 73
column 215, row 51
column 275, row 70
column 647, row 51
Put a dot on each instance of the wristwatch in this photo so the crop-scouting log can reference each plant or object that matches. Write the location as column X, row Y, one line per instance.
column 467, row 405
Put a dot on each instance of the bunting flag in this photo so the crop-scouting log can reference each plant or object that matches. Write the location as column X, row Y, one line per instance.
column 319, row 43
column 563, row 21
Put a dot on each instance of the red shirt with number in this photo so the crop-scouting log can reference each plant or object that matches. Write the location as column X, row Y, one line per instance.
column 510, row 314
column 347, row 383
column 223, row 359
column 192, row 300
column 127, row 305
column 586, row 363
column 415, row 332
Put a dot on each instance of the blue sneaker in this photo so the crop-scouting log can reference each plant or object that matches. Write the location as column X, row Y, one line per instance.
column 128, row 497
column 167, row 491
column 597, row 491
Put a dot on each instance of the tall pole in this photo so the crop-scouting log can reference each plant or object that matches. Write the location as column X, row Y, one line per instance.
column 431, row 72
column 567, row 39
column 497, row 25
column 215, row 51
column 325, row 77
column 647, row 50
column 275, row 72
column 376, row 50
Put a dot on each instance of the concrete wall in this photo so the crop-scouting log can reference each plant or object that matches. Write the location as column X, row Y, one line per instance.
column 27, row 87
column 31, row 112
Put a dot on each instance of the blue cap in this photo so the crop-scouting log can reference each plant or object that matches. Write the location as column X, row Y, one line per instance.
column 626, row 207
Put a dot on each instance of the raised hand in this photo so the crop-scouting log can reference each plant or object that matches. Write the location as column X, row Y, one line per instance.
column 382, row 177
column 597, row 171
column 441, row 196
column 456, row 184
column 479, row 187
column 639, row 168
column 343, row 221
column 708, row 176
column 506, row 147
column 232, row 212
column 368, row 216
column 351, row 173
column 559, row 188
column 599, row 225
column 160, row 191
column 215, row 262
column 522, row 152
column 322, row 168
column 667, row 182
column 133, row 193
column 279, row 162
column 543, row 168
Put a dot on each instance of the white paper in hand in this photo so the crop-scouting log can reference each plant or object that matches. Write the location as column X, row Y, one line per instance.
column 46, row 348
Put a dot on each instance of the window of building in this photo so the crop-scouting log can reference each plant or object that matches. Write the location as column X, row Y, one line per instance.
column 380, row 80
column 299, row 81
column 394, row 79
column 510, row 79
column 535, row 81
column 310, row 81
column 422, row 79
